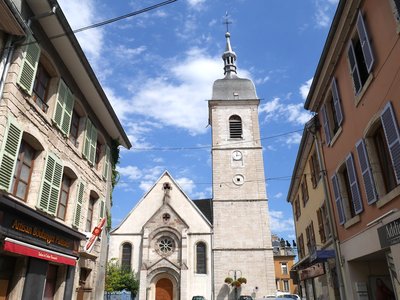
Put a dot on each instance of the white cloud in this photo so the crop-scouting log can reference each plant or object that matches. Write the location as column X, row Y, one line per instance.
column 275, row 110
column 278, row 195
column 305, row 88
column 293, row 139
column 177, row 98
column 131, row 172
column 196, row 3
column 323, row 11
column 279, row 223
column 126, row 53
column 90, row 40
column 186, row 184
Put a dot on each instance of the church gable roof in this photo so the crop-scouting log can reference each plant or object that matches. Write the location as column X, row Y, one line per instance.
column 154, row 199
column 205, row 206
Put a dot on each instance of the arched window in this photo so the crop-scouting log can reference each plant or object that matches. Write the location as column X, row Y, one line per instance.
column 201, row 258
column 126, row 255
column 235, row 127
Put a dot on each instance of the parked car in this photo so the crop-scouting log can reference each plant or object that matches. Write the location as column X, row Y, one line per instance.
column 289, row 296
column 245, row 298
column 198, row 298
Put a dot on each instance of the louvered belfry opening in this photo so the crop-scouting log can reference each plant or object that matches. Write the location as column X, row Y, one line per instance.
column 235, row 127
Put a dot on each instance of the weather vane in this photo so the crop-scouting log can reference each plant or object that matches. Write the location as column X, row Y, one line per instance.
column 227, row 22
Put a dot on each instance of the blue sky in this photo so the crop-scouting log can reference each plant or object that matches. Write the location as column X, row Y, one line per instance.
column 157, row 69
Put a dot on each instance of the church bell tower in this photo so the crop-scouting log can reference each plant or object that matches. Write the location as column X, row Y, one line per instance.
column 242, row 238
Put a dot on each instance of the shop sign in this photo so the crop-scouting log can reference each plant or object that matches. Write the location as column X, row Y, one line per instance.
column 389, row 234
column 313, row 271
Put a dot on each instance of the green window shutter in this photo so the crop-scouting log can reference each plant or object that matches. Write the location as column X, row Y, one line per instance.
column 9, row 152
column 106, row 166
column 79, row 201
column 86, row 147
column 102, row 208
column 93, row 144
column 30, row 61
column 51, row 184
column 63, row 111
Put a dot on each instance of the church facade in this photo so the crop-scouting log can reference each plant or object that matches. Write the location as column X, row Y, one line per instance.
column 218, row 248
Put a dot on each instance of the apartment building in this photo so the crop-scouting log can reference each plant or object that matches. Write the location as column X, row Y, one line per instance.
column 59, row 138
column 284, row 255
column 316, row 269
column 356, row 94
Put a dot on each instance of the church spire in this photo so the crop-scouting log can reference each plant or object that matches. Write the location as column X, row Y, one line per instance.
column 229, row 58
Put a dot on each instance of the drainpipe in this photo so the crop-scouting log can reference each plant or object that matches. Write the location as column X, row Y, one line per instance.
column 5, row 63
column 317, row 138
column 212, row 265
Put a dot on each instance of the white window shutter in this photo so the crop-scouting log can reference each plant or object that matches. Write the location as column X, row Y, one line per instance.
column 51, row 184
column 88, row 132
column 106, row 165
column 365, row 44
column 93, row 144
column 78, row 204
column 354, row 189
column 102, row 208
column 29, row 65
column 366, row 170
column 336, row 102
column 338, row 198
column 9, row 153
column 64, row 105
column 355, row 74
column 325, row 124
column 392, row 135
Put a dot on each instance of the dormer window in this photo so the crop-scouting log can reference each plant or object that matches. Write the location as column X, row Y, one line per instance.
column 235, row 127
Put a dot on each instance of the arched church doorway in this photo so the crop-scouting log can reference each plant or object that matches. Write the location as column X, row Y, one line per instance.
column 164, row 289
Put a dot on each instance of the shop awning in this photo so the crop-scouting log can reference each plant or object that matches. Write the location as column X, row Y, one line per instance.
column 22, row 248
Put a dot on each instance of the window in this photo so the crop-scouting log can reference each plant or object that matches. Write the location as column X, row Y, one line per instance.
column 89, row 216
column 64, row 108
column 331, row 113
column 40, row 88
column 315, row 170
column 361, row 58
column 23, row 171
column 97, row 155
column 126, row 256
column 201, row 258
column 300, row 248
column 379, row 156
column 346, row 191
column 323, row 224
column 89, row 149
column 107, row 163
column 78, row 204
column 235, row 127
column 297, row 211
column 9, row 153
column 304, row 190
column 284, row 268
column 74, row 130
column 51, row 185
column 64, row 194
column 286, row 285
column 29, row 65
column 311, row 244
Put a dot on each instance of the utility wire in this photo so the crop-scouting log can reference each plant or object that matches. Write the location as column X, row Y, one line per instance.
column 109, row 21
column 209, row 146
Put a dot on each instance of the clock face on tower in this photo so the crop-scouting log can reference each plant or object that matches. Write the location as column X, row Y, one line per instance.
column 236, row 155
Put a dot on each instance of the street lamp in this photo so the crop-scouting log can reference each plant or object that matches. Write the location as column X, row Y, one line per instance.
column 234, row 274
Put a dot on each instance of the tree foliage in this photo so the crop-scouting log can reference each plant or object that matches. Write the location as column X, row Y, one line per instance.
column 119, row 278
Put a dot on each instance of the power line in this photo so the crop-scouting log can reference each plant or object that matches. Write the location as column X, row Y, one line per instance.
column 209, row 146
column 109, row 21
column 106, row 22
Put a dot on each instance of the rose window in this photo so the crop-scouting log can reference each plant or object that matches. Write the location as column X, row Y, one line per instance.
column 165, row 245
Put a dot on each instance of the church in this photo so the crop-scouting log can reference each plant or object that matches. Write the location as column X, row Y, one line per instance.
column 217, row 248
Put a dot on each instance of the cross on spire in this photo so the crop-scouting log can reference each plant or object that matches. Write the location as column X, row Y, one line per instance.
column 227, row 22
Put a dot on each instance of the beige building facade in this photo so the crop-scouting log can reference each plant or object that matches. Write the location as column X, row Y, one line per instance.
column 55, row 158
column 356, row 93
column 219, row 248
